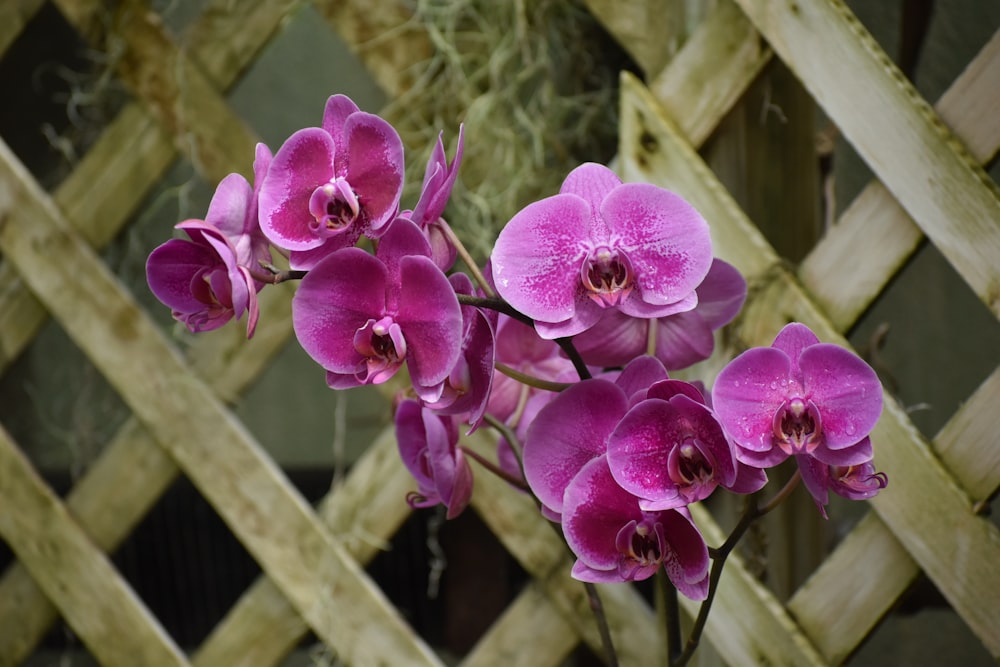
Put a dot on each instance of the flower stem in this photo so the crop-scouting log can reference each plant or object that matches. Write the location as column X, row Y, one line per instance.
column 495, row 469
column 751, row 513
column 530, row 380
column 470, row 263
column 275, row 275
column 597, row 607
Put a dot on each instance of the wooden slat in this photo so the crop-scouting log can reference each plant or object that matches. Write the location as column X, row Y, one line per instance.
column 709, row 74
column 889, row 568
column 14, row 16
column 218, row 455
column 650, row 31
column 109, row 183
column 896, row 132
column 97, row 603
column 921, row 489
column 363, row 513
column 843, row 283
column 132, row 472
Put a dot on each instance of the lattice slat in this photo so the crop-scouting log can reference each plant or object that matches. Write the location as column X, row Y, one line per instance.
column 217, row 454
column 896, row 132
column 669, row 161
column 98, row 604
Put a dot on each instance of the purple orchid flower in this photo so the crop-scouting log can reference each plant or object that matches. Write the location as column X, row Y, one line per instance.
column 574, row 427
column 615, row 540
column 670, row 451
column 601, row 244
column 234, row 212
column 854, row 482
column 428, row 445
column 200, row 279
column 468, row 386
column 361, row 317
column 328, row 186
column 439, row 179
column 799, row 397
column 681, row 339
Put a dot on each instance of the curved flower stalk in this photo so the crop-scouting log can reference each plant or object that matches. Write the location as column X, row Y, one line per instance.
column 327, row 186
column 803, row 398
column 601, row 244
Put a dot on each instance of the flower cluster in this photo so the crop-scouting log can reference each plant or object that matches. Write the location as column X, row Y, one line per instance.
column 562, row 342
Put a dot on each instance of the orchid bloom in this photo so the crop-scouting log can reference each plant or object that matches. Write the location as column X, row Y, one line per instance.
column 615, row 540
column 200, row 279
column 439, row 179
column 573, row 429
column 601, row 244
column 428, row 445
column 361, row 317
column 799, row 397
column 681, row 339
column 234, row 212
column 670, row 451
column 327, row 186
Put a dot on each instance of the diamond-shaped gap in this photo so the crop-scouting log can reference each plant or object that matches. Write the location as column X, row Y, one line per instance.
column 921, row 625
column 185, row 564
column 450, row 580
column 63, row 94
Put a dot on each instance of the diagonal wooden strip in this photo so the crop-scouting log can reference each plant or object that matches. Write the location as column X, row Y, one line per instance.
column 14, row 16
column 842, row 283
column 905, row 143
column 529, row 632
column 709, row 74
column 363, row 514
column 220, row 457
column 923, row 492
column 132, row 472
column 842, row 616
column 109, row 183
column 98, row 604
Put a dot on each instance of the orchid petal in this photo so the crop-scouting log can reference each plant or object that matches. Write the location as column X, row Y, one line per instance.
column 374, row 167
column 748, row 393
column 846, row 390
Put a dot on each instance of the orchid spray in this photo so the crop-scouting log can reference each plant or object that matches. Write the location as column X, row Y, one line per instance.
column 562, row 343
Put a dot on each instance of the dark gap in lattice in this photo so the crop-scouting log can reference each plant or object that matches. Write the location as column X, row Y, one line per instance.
column 479, row 580
column 57, row 96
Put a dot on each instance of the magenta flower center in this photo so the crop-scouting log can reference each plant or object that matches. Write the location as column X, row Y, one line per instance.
column 688, row 465
column 641, row 546
column 797, row 426
column 382, row 345
column 334, row 207
column 607, row 275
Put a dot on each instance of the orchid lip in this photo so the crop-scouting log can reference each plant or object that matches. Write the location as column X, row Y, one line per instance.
column 383, row 347
column 334, row 207
column 798, row 428
column 608, row 276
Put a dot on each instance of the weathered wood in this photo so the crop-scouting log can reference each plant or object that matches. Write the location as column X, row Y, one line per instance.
column 97, row 603
column 924, row 489
column 839, row 616
column 844, row 275
column 264, row 511
column 132, row 472
column 529, row 632
column 109, row 183
column 363, row 513
column 896, row 132
column 711, row 71
column 650, row 31
column 14, row 16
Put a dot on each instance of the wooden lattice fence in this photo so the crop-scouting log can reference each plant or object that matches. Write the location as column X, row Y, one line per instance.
column 930, row 182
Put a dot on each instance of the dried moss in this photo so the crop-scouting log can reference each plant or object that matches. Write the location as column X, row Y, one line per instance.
column 536, row 84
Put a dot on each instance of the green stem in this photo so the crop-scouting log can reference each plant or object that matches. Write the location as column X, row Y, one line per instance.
column 597, row 607
column 470, row 263
column 752, row 512
column 530, row 380
column 495, row 469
